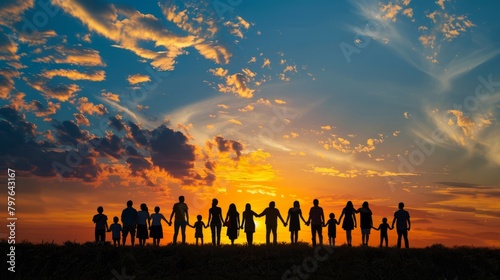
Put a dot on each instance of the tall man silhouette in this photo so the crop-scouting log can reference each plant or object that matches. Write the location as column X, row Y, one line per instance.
column 129, row 216
column 403, row 224
column 272, row 214
column 180, row 210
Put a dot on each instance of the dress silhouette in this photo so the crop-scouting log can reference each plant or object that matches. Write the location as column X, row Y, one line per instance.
column 233, row 223
column 248, row 223
column 349, row 222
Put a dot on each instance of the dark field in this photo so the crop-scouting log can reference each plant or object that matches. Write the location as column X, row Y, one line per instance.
column 283, row 261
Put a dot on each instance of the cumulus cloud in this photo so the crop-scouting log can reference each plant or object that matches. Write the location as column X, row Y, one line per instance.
column 86, row 107
column 237, row 84
column 111, row 96
column 7, row 82
column 76, row 55
column 18, row 103
column 12, row 11
column 138, row 78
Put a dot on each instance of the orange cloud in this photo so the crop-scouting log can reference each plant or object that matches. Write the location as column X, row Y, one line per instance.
column 138, row 78
column 74, row 74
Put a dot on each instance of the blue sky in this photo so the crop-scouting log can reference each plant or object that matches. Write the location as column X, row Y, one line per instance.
column 365, row 100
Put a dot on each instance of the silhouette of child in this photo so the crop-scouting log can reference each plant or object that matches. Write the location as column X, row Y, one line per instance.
column 272, row 214
column 248, row 223
column 116, row 230
column 101, row 225
column 332, row 229
column 143, row 223
column 383, row 227
column 156, row 230
column 294, row 214
column 198, row 226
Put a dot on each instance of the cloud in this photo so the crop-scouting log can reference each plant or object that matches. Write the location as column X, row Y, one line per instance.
column 36, row 38
column 95, row 76
column 8, row 48
column 390, row 11
column 237, row 84
column 7, row 82
column 326, row 127
column 86, row 107
column 11, row 11
column 267, row 63
column 219, row 72
column 171, row 152
column 76, row 55
column 111, row 96
column 235, row 121
column 279, row 101
column 59, row 92
column 138, row 78
column 226, row 146
column 81, row 119
column 247, row 108
column 18, row 103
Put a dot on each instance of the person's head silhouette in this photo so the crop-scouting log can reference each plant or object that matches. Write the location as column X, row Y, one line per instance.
column 332, row 216
column 199, row 217
column 129, row 203
column 144, row 207
column 315, row 202
column 100, row 209
column 384, row 220
column 296, row 204
column 365, row 204
column 214, row 202
column 232, row 208
column 401, row 205
column 115, row 219
column 349, row 205
column 248, row 207
column 272, row 204
column 157, row 209
column 181, row 198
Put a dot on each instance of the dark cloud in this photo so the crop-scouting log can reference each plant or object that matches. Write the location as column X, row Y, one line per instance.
column 116, row 123
column 68, row 132
column 171, row 152
column 226, row 145
column 139, row 135
column 111, row 145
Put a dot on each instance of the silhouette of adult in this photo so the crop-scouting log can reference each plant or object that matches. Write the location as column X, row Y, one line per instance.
column 272, row 214
column 128, row 218
column 248, row 223
column 180, row 210
column 294, row 215
column 317, row 220
column 215, row 221
column 365, row 221
column 143, row 223
column 403, row 224
column 349, row 223
column 233, row 223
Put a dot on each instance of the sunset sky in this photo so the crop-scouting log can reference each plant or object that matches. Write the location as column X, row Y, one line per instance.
column 252, row 102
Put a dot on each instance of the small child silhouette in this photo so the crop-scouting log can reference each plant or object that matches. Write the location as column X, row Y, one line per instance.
column 116, row 230
column 198, row 226
column 383, row 227
column 332, row 229
column 101, row 225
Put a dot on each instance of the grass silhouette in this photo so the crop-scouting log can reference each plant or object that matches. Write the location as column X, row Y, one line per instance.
column 88, row 261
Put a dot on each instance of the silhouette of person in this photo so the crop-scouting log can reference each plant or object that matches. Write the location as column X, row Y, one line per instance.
column 101, row 225
column 116, row 230
column 349, row 223
column 317, row 220
column 272, row 214
column 180, row 210
column 402, row 217
column 294, row 214
column 128, row 218
column 156, row 230
column 198, row 229
column 366, row 222
column 143, row 223
column 248, row 223
column 215, row 221
column 233, row 223
column 332, row 229
column 383, row 227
